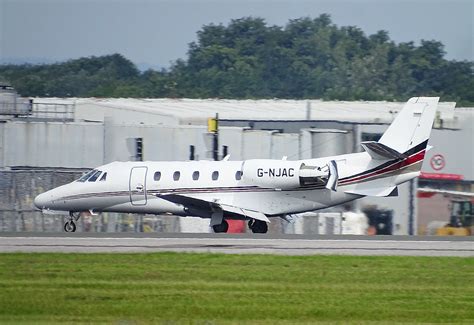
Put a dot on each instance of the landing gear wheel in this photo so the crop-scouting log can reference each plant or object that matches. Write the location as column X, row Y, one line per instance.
column 70, row 226
column 258, row 226
column 222, row 227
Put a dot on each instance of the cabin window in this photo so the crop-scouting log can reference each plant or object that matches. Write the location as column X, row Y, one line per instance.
column 238, row 175
column 157, row 176
column 94, row 176
column 86, row 176
column 103, row 178
column 176, row 176
column 215, row 175
column 196, row 175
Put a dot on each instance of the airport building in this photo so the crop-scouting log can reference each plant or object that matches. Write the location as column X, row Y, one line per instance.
column 56, row 139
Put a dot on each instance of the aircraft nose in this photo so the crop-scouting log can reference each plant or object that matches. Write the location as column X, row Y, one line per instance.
column 41, row 200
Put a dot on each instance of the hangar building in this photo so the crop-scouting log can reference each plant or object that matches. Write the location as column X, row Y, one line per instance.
column 76, row 134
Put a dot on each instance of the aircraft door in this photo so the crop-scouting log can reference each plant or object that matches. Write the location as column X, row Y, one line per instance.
column 137, row 185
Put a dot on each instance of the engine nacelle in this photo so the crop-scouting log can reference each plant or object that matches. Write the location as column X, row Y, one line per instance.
column 281, row 174
column 286, row 175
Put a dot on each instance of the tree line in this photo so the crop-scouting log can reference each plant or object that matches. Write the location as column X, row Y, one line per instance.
column 307, row 58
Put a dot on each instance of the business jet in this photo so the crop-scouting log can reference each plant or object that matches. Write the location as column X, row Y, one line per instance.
column 255, row 190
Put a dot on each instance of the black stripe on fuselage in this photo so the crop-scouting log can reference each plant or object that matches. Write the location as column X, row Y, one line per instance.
column 408, row 153
column 158, row 192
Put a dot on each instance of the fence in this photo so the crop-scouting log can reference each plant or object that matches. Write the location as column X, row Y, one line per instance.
column 53, row 111
column 18, row 189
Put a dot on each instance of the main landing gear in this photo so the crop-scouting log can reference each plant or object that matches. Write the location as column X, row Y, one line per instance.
column 70, row 225
column 222, row 227
column 258, row 226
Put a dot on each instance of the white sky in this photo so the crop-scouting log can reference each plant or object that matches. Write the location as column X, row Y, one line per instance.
column 154, row 33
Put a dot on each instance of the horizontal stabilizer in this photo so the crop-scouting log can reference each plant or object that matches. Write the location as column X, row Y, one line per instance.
column 379, row 151
column 380, row 192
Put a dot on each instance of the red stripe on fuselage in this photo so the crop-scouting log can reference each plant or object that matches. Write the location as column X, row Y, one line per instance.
column 395, row 166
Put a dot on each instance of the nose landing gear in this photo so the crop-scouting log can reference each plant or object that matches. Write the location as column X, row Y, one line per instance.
column 70, row 225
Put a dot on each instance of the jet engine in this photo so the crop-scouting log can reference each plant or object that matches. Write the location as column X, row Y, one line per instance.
column 285, row 175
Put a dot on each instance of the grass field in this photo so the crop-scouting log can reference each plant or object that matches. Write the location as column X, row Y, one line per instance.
column 173, row 288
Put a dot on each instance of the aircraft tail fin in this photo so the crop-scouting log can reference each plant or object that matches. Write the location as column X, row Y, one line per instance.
column 398, row 155
column 412, row 127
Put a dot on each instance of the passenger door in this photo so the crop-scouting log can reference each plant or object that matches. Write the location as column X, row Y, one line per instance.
column 137, row 185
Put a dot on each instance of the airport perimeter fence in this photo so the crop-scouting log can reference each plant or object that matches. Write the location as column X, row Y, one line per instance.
column 18, row 188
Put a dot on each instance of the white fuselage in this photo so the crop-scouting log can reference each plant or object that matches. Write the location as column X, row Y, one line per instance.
column 134, row 187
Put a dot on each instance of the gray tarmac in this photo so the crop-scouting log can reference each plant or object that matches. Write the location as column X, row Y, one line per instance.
column 237, row 244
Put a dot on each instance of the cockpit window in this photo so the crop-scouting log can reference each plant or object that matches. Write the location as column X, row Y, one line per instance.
column 103, row 178
column 94, row 176
column 86, row 176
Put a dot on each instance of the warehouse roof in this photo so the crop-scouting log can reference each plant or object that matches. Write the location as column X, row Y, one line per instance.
column 197, row 111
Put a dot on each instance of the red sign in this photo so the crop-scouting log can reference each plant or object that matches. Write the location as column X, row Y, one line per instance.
column 425, row 195
column 437, row 162
column 441, row 176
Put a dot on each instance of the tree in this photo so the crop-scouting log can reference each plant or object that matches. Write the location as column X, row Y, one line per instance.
column 306, row 58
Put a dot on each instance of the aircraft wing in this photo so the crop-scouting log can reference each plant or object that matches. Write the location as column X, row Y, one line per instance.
column 205, row 208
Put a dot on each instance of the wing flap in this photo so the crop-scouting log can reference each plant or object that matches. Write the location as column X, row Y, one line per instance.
column 248, row 213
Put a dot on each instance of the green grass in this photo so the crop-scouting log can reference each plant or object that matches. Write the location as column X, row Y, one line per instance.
column 173, row 288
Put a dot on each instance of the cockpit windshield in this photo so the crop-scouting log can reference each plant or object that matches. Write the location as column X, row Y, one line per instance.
column 91, row 176
column 94, row 176
column 86, row 176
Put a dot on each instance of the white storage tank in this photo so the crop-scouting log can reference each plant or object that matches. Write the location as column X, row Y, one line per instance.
column 317, row 143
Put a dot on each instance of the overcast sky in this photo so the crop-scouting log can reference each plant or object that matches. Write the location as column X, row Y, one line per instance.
column 154, row 33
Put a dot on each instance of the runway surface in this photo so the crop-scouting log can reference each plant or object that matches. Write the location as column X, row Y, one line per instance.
column 236, row 244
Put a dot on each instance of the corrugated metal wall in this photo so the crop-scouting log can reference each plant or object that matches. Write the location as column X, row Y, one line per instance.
column 53, row 144
column 87, row 145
